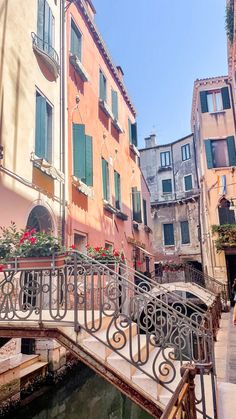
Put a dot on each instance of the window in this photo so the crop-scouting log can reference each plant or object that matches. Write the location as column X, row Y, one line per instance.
column 75, row 40
column 226, row 216
column 43, row 135
column 185, row 238
column 105, row 180
column 136, row 201
column 109, row 246
column 166, row 186
column 80, row 242
column 82, row 155
column 114, row 104
column 185, row 151
column 145, row 221
column 220, row 153
column 45, row 27
column 188, row 183
column 102, row 87
column 133, row 136
column 168, row 230
column 117, row 190
column 215, row 101
column 165, row 158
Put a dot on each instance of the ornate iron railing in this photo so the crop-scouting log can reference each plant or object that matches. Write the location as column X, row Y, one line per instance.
column 46, row 48
column 83, row 292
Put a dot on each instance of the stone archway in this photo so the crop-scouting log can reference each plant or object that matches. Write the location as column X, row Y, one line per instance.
column 40, row 219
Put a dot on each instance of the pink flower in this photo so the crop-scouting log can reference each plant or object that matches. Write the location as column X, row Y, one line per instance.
column 32, row 240
column 1, row 268
column 33, row 231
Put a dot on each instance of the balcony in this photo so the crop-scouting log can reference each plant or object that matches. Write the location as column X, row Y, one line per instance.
column 47, row 53
column 75, row 61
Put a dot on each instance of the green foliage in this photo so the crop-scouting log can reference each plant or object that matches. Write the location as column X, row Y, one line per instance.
column 226, row 236
column 103, row 253
column 27, row 243
column 229, row 21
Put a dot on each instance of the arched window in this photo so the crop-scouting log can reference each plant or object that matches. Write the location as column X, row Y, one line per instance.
column 40, row 219
column 226, row 216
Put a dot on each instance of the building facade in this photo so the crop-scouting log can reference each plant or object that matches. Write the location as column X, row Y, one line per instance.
column 213, row 123
column 109, row 203
column 170, row 172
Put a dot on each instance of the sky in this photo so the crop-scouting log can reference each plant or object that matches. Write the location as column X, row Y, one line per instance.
column 162, row 47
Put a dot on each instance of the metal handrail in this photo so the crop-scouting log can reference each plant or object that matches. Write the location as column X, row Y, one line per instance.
column 45, row 47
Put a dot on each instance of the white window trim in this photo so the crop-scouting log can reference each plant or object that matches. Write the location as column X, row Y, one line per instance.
column 182, row 147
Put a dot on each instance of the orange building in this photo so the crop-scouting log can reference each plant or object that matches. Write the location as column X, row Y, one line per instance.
column 108, row 201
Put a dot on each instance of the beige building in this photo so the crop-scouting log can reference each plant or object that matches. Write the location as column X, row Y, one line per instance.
column 213, row 124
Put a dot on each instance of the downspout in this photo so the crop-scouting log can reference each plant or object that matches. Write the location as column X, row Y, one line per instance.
column 173, row 171
column 62, row 117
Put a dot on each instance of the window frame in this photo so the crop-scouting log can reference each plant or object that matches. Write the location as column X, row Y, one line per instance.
column 164, row 153
column 185, row 147
column 49, row 103
column 185, row 176
column 181, row 233
column 106, row 87
column 107, row 198
column 163, row 233
column 166, row 180
column 213, row 93
column 119, row 190
column 72, row 21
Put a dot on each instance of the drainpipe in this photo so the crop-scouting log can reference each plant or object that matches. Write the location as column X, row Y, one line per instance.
column 62, row 116
column 172, row 159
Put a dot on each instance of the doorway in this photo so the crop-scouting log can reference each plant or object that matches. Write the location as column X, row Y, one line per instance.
column 231, row 273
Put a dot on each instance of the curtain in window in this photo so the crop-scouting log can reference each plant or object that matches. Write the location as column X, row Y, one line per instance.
column 220, row 153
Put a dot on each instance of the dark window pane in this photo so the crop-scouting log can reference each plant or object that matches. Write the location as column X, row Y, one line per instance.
column 184, row 232
column 168, row 230
column 226, row 216
column 220, row 153
column 166, row 186
column 188, row 183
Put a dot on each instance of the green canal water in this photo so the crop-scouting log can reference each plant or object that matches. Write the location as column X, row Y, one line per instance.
column 83, row 395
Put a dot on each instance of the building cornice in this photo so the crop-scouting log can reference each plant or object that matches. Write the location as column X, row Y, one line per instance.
column 168, row 144
column 104, row 51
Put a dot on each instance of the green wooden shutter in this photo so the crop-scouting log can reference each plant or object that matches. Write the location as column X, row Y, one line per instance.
column 75, row 40
column 114, row 102
column 88, row 160
column 117, row 190
column 231, row 151
column 166, row 186
column 168, row 230
column 72, row 38
column 134, row 134
column 188, row 183
column 145, row 212
column 40, row 21
column 79, row 149
column 105, row 180
column 41, row 126
column 136, row 200
column 209, row 156
column 203, row 100
column 102, row 86
column 185, row 238
column 225, row 98
column 130, row 131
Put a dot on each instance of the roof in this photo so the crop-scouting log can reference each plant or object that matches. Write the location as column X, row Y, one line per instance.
column 106, row 55
column 167, row 145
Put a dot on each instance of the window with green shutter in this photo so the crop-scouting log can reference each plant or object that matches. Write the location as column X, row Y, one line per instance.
column 145, row 221
column 136, row 201
column 102, row 86
column 45, row 27
column 220, row 153
column 75, row 40
column 43, row 129
column 114, row 103
column 133, row 135
column 166, row 186
column 105, row 180
column 117, row 190
column 168, row 232
column 82, row 155
column 185, row 238
column 231, row 151
column 215, row 100
column 188, row 183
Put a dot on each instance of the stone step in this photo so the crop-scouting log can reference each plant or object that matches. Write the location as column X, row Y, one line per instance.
column 37, row 366
column 27, row 360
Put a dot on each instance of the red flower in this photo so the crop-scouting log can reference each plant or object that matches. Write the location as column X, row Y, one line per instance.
column 33, row 231
column 32, row 240
column 103, row 254
column 115, row 253
column 122, row 257
column 97, row 249
column 1, row 268
column 26, row 235
column 139, row 263
column 73, row 246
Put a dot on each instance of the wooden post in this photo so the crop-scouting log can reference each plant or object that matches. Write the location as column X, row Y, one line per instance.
column 190, row 399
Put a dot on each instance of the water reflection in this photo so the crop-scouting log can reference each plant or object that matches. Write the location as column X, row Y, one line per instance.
column 83, row 396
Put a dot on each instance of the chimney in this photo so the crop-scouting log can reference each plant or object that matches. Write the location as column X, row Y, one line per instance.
column 150, row 141
column 120, row 72
column 90, row 8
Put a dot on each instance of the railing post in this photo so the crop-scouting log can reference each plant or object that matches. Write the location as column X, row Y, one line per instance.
column 190, row 400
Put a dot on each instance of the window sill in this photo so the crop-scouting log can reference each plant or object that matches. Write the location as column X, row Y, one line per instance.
column 75, row 61
column 217, row 169
column 217, row 112
column 134, row 149
column 117, row 125
column 108, row 207
column 164, row 168
column 103, row 105
column 82, row 187
column 47, row 168
column 121, row 215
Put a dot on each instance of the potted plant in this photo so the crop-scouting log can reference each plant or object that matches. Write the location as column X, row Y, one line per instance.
column 105, row 255
column 30, row 248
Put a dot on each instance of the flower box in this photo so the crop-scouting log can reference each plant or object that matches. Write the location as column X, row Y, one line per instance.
column 44, row 262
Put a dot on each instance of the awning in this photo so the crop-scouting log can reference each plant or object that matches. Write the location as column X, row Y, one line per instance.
column 144, row 250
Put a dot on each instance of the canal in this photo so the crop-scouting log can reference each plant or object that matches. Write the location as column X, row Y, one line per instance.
column 83, row 395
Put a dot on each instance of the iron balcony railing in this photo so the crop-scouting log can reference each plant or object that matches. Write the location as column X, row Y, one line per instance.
column 46, row 48
column 83, row 292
